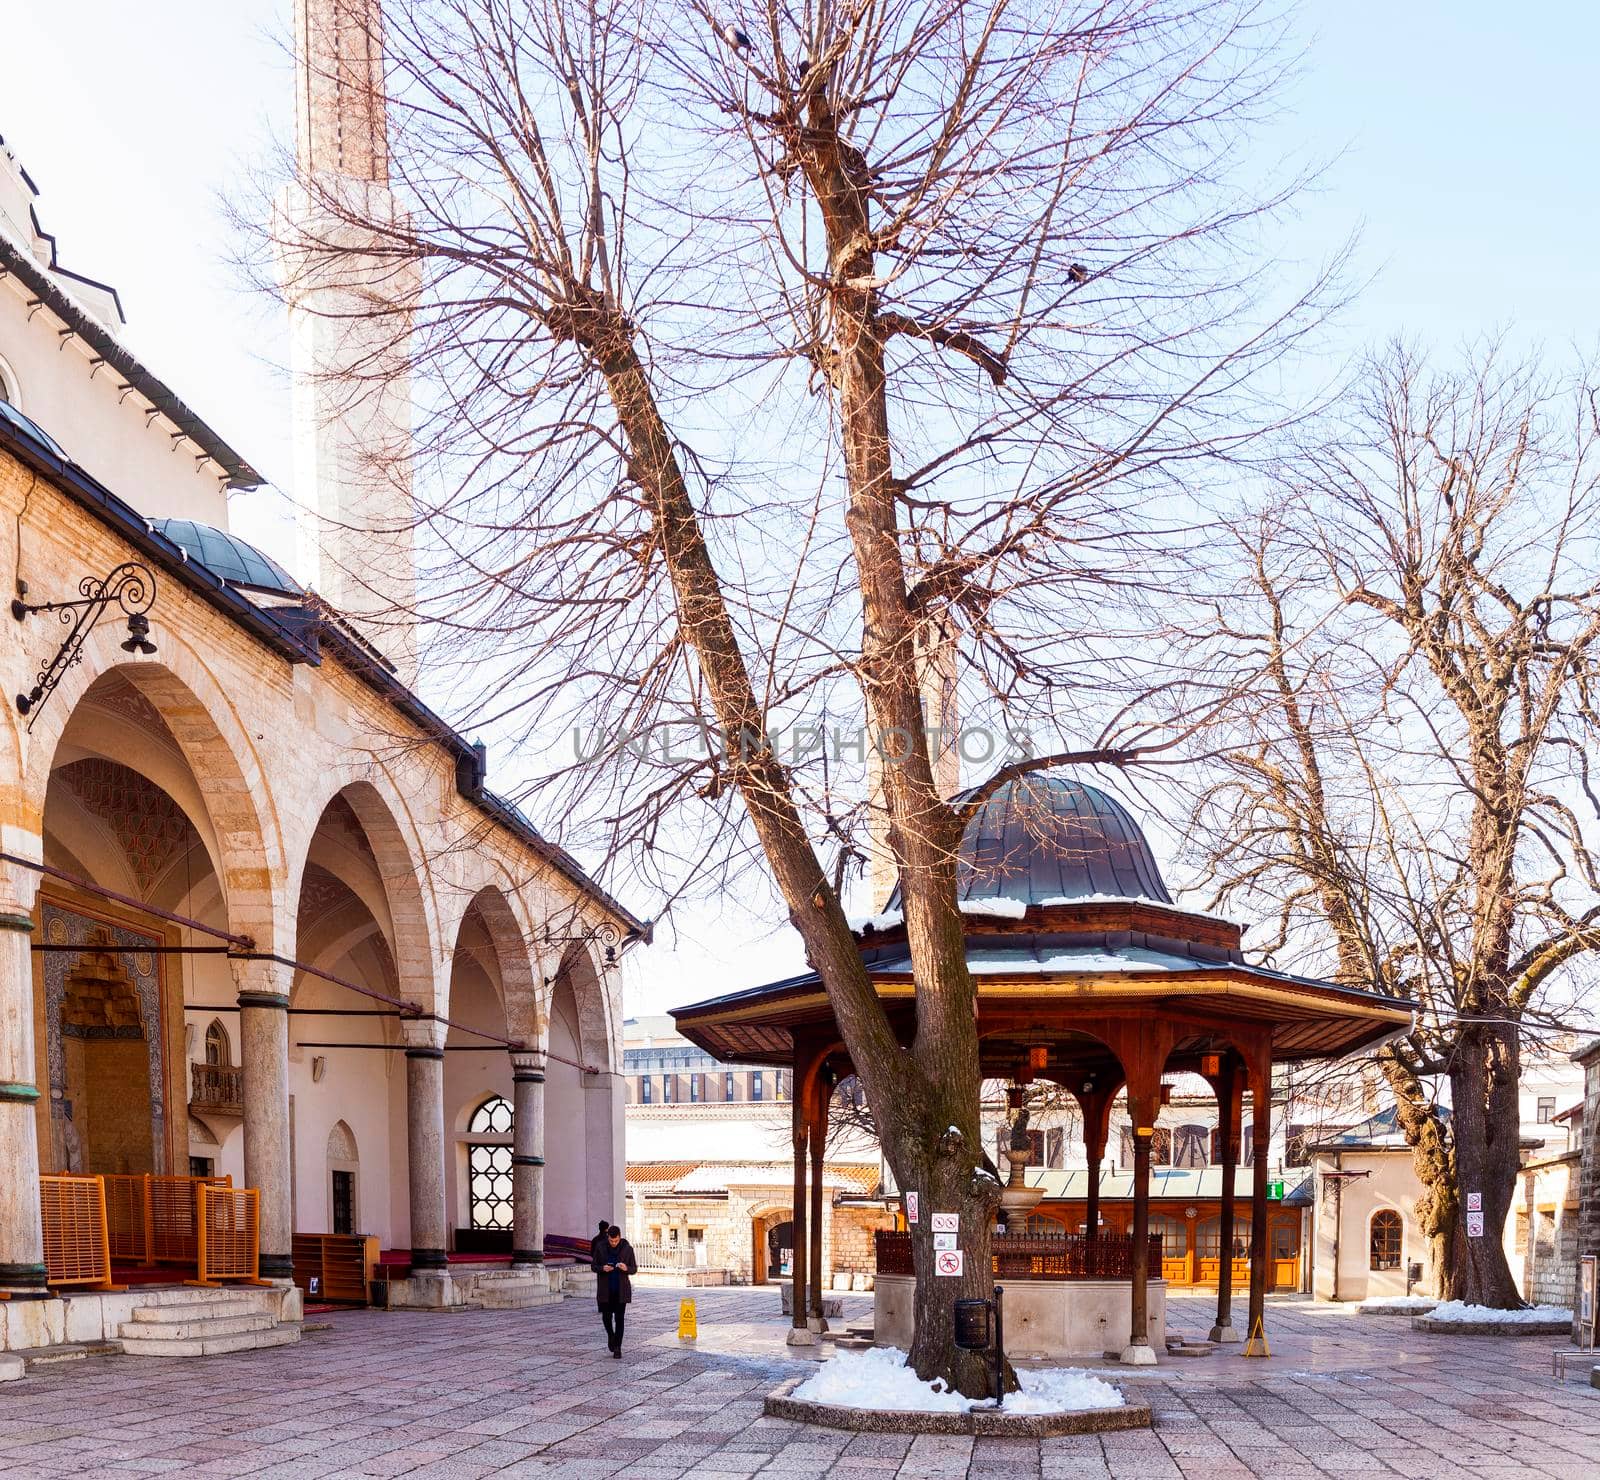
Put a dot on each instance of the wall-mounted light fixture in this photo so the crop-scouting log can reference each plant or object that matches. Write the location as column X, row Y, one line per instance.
column 130, row 585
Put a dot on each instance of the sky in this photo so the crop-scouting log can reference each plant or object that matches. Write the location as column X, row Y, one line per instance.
column 1458, row 142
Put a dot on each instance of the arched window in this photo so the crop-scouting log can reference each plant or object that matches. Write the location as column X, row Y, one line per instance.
column 1387, row 1233
column 492, row 1118
column 489, row 1166
column 219, row 1053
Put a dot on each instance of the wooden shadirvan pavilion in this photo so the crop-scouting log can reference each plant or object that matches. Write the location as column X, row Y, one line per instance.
column 1088, row 975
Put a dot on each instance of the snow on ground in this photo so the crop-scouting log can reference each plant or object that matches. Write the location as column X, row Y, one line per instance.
column 1413, row 1303
column 1455, row 1310
column 879, row 1378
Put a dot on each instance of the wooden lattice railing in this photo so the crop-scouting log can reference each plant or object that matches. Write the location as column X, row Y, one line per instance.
column 77, row 1247
column 152, row 1219
column 1037, row 1256
column 228, row 1234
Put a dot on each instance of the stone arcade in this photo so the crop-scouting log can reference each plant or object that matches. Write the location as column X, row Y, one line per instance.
column 270, row 944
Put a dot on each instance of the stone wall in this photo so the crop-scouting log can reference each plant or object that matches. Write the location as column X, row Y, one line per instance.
column 1588, row 1220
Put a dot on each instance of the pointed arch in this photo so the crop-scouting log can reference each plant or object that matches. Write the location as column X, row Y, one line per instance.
column 379, row 812
column 218, row 752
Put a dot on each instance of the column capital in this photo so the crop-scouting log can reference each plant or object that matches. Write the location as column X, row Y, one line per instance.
column 263, row 983
column 19, row 886
column 423, row 1037
column 528, row 1064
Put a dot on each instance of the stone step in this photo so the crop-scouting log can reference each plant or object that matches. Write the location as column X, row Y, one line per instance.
column 211, row 1346
column 193, row 1310
column 12, row 1367
column 186, row 1328
column 505, row 1297
column 65, row 1351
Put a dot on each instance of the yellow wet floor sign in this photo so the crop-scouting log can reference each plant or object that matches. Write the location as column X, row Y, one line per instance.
column 688, row 1329
column 1258, row 1338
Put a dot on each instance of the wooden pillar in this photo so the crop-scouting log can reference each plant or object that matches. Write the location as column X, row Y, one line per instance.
column 1260, row 1142
column 1095, row 1104
column 1141, row 1045
column 819, row 1141
column 1140, row 1352
column 1229, row 1087
column 800, row 1333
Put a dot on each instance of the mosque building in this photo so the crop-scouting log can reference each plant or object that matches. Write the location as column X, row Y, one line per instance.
column 279, row 968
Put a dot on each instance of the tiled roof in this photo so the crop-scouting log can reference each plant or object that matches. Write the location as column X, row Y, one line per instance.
column 654, row 1173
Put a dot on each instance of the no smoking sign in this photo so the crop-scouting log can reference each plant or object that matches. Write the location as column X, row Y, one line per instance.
column 948, row 1261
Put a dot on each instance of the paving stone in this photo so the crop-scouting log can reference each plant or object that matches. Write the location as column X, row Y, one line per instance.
column 531, row 1393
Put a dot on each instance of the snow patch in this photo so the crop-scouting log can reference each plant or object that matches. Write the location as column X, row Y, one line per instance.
column 1457, row 1311
column 1000, row 909
column 860, row 924
column 879, row 1378
column 1412, row 1303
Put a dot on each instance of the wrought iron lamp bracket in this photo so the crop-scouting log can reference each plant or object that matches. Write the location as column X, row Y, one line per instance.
column 131, row 586
column 605, row 934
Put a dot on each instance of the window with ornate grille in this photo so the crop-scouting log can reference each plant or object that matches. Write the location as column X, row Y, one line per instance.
column 1387, row 1232
column 489, row 1166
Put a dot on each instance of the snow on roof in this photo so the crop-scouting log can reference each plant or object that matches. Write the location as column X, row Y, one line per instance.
column 691, row 1177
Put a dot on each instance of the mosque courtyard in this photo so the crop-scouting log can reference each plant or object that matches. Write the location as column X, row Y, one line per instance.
column 532, row 1393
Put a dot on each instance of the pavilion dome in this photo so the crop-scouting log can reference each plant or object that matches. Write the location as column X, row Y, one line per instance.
column 1047, row 839
column 236, row 561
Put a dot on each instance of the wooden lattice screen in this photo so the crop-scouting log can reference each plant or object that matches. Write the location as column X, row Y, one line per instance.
column 152, row 1219
column 77, row 1247
column 228, row 1229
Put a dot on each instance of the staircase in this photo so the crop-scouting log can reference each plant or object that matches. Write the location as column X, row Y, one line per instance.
column 508, row 1290
column 204, row 1324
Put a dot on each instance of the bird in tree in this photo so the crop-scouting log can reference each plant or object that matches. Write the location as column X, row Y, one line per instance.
column 1078, row 273
column 735, row 37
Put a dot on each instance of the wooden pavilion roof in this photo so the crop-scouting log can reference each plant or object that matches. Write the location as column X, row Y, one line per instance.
column 1050, row 977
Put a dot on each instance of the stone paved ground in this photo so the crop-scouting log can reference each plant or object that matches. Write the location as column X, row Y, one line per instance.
column 513, row 1393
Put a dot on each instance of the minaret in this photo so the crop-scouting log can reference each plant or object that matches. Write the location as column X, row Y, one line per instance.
column 941, row 717
column 350, row 321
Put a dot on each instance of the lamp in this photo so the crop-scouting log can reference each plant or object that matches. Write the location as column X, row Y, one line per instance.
column 138, row 640
column 130, row 585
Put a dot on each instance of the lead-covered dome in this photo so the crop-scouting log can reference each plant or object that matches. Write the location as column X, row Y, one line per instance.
column 236, row 561
column 1047, row 840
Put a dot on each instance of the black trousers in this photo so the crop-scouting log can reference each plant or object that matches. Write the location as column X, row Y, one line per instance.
column 613, row 1315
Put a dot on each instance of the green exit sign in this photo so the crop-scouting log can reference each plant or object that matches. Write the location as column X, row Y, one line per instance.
column 1275, row 1191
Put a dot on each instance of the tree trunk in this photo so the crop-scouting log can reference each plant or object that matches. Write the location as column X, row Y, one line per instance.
column 1485, row 1123
column 952, row 1182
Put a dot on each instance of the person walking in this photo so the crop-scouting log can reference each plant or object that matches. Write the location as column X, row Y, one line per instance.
column 612, row 1287
column 598, row 1242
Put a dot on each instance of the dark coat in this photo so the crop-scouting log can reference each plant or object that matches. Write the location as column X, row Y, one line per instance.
column 623, row 1254
column 596, row 1246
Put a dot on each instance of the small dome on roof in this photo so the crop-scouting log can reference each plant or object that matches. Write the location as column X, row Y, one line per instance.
column 236, row 561
column 1050, row 840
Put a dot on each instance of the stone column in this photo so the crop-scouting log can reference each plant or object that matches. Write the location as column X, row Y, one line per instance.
column 425, row 1145
column 819, row 1138
column 22, row 1266
column 264, row 1054
column 527, row 1160
column 1229, row 1088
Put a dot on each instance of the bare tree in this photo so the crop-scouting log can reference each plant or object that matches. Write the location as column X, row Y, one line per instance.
column 1411, row 799
column 755, row 353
